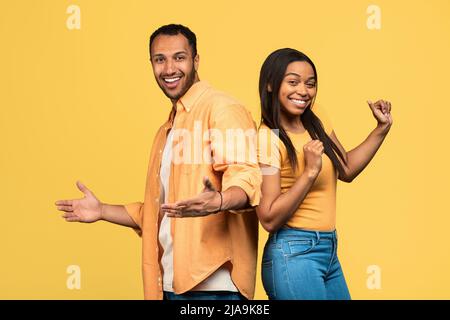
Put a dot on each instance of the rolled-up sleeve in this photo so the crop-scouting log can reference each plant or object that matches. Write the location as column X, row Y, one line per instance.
column 135, row 211
column 234, row 150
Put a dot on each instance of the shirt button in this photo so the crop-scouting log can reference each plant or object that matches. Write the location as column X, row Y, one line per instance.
column 160, row 151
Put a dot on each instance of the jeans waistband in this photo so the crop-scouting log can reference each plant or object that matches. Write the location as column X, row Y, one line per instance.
column 301, row 233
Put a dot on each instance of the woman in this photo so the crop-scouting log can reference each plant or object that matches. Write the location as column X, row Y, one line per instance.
column 298, row 207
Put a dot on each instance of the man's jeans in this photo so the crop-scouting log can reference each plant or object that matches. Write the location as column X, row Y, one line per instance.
column 299, row 264
column 204, row 295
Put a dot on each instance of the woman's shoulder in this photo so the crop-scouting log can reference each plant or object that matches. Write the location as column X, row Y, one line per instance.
column 270, row 148
column 263, row 126
column 265, row 132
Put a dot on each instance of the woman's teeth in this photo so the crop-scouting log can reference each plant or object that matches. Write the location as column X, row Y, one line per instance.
column 298, row 102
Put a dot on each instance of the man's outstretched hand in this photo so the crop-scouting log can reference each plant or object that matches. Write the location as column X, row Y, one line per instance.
column 87, row 209
column 205, row 203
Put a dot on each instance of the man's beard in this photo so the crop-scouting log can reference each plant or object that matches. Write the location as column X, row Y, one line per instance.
column 190, row 79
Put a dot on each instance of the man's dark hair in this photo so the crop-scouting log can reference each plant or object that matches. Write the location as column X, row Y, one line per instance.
column 173, row 30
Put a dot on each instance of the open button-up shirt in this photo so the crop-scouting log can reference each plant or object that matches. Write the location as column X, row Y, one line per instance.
column 215, row 137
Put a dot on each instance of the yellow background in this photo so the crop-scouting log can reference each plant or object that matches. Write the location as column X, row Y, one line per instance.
column 83, row 104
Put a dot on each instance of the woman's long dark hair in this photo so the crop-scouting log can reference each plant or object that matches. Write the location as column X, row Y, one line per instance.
column 271, row 75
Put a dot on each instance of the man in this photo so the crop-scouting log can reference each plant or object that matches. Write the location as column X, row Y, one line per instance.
column 196, row 244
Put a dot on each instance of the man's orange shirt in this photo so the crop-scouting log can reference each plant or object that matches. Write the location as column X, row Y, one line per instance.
column 204, row 119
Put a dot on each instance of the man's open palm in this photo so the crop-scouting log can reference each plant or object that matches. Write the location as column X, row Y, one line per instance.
column 87, row 209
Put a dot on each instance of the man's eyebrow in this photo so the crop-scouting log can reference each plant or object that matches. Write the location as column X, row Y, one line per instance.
column 162, row 55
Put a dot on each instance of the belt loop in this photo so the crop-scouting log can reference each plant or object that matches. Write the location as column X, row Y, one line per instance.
column 275, row 236
column 318, row 236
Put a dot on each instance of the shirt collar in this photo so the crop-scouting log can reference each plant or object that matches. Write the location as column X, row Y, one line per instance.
column 187, row 101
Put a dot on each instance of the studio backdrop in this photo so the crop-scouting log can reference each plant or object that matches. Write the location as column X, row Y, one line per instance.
column 78, row 101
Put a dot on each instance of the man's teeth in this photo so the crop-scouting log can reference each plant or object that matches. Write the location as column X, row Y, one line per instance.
column 299, row 102
column 170, row 80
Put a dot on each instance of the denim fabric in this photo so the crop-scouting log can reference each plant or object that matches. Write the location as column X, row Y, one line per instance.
column 299, row 264
column 204, row 295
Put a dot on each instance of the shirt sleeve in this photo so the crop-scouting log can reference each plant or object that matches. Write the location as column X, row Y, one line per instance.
column 135, row 211
column 233, row 147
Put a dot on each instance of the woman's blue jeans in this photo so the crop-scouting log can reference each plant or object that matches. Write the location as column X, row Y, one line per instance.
column 299, row 264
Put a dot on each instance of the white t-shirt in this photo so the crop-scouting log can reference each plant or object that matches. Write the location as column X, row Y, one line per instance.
column 220, row 280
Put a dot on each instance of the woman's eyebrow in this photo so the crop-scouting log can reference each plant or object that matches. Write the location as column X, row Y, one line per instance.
column 292, row 74
column 297, row 75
